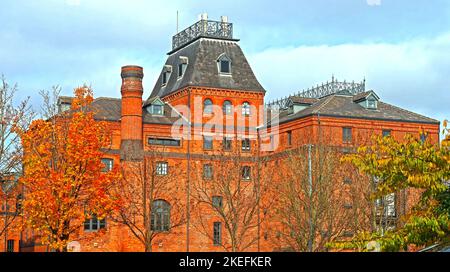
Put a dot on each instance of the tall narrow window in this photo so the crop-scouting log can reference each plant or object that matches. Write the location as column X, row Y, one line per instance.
column 227, row 141
column 227, row 108
column 245, row 109
column 164, row 78
column 167, row 70
column 347, row 134
column 217, row 233
column 10, row 246
column 108, row 164
column 207, row 171
column 289, row 137
column 207, row 142
column 246, row 144
column 160, row 216
column 217, row 201
column 423, row 137
column 207, row 106
column 162, row 168
column 224, row 64
column 182, row 66
column 246, row 172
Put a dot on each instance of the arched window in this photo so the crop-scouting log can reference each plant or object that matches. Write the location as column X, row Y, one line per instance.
column 246, row 109
column 160, row 217
column 207, row 106
column 227, row 107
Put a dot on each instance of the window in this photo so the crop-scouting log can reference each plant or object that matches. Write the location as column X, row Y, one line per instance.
column 217, row 233
column 227, row 143
column 386, row 132
column 347, row 181
column 348, row 206
column 165, row 77
column 289, row 137
column 207, row 142
column 423, row 137
column 94, row 224
column 372, row 104
column 246, row 172
column 227, row 108
column 217, row 201
column 245, row 109
column 224, row 64
column 10, row 246
column 346, row 134
column 180, row 69
column 157, row 110
column 160, row 216
column 385, row 206
column 164, row 142
column 207, row 106
column 245, row 144
column 166, row 74
column 207, row 171
column 162, row 168
column 108, row 164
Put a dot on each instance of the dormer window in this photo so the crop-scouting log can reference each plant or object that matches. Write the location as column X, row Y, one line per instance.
column 182, row 66
column 157, row 109
column 224, row 64
column 167, row 71
column 368, row 100
column 372, row 103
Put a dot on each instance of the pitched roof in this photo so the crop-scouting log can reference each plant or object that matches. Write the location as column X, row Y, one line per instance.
column 110, row 109
column 202, row 70
column 345, row 107
column 364, row 95
column 303, row 100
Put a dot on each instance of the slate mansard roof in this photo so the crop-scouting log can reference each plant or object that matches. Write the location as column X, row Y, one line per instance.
column 344, row 106
column 202, row 70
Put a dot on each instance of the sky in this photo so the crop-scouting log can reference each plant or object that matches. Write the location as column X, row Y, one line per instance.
column 401, row 47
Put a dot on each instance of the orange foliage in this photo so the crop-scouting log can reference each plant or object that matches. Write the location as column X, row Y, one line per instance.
column 63, row 177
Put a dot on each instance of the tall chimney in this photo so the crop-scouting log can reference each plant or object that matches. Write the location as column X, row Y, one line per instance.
column 131, row 147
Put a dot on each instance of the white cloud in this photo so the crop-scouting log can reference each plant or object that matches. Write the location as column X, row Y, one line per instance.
column 412, row 74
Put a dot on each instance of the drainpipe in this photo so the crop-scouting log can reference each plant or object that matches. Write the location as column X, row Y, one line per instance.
column 310, row 240
column 188, row 188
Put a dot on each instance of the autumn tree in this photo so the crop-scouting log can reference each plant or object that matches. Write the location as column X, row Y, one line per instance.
column 317, row 202
column 410, row 164
column 150, row 196
column 13, row 116
column 227, row 188
column 63, row 179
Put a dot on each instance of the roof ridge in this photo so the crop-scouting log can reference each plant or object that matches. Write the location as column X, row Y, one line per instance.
column 107, row 98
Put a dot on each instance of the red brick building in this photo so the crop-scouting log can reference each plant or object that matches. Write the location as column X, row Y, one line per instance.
column 206, row 73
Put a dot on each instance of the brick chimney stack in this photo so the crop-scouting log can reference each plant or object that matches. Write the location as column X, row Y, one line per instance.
column 131, row 123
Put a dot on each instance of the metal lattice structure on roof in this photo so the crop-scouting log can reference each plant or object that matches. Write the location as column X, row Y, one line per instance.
column 203, row 28
column 320, row 91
